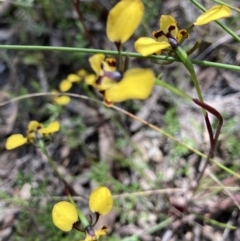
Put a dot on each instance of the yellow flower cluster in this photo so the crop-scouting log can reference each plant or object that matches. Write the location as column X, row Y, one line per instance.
column 66, row 85
column 135, row 83
column 35, row 131
column 66, row 216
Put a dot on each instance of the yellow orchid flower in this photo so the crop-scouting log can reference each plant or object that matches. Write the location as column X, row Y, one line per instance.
column 135, row 83
column 212, row 14
column 123, row 19
column 64, row 215
column 104, row 69
column 35, row 130
column 168, row 28
column 100, row 200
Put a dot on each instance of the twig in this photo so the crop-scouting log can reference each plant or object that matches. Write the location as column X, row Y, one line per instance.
column 215, row 139
column 76, row 4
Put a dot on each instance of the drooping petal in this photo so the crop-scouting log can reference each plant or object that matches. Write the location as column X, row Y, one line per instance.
column 65, row 85
column 73, row 78
column 51, row 128
column 168, row 24
column 15, row 141
column 95, row 62
column 147, row 46
column 137, row 83
column 100, row 200
column 64, row 215
column 62, row 100
column 123, row 20
column 214, row 13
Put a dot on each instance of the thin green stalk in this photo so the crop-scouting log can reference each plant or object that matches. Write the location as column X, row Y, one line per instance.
column 115, row 53
column 228, row 5
column 42, row 146
column 150, row 230
column 182, row 55
column 216, row 223
column 44, row 149
column 173, row 89
column 82, row 218
column 120, row 61
column 223, row 26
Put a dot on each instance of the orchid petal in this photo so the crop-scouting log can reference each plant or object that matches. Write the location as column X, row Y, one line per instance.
column 137, row 83
column 95, row 62
column 147, row 46
column 15, row 141
column 73, row 78
column 212, row 14
column 100, row 200
column 123, row 20
column 65, row 85
column 168, row 24
column 62, row 100
column 52, row 127
column 64, row 215
column 34, row 125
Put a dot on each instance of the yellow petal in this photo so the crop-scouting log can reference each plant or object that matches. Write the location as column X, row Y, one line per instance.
column 100, row 200
column 62, row 100
column 137, row 83
column 73, row 78
column 123, row 20
column 90, row 79
column 52, row 127
column 65, row 85
column 15, row 141
column 214, row 13
column 181, row 33
column 110, row 64
column 82, row 72
column 64, row 215
column 104, row 84
column 159, row 36
column 34, row 125
column 168, row 23
column 147, row 46
column 95, row 62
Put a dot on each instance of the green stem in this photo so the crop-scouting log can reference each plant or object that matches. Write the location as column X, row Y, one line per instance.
column 182, row 55
column 82, row 218
column 120, row 61
column 42, row 146
column 223, row 26
column 173, row 89
column 44, row 149
column 115, row 53
column 228, row 5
